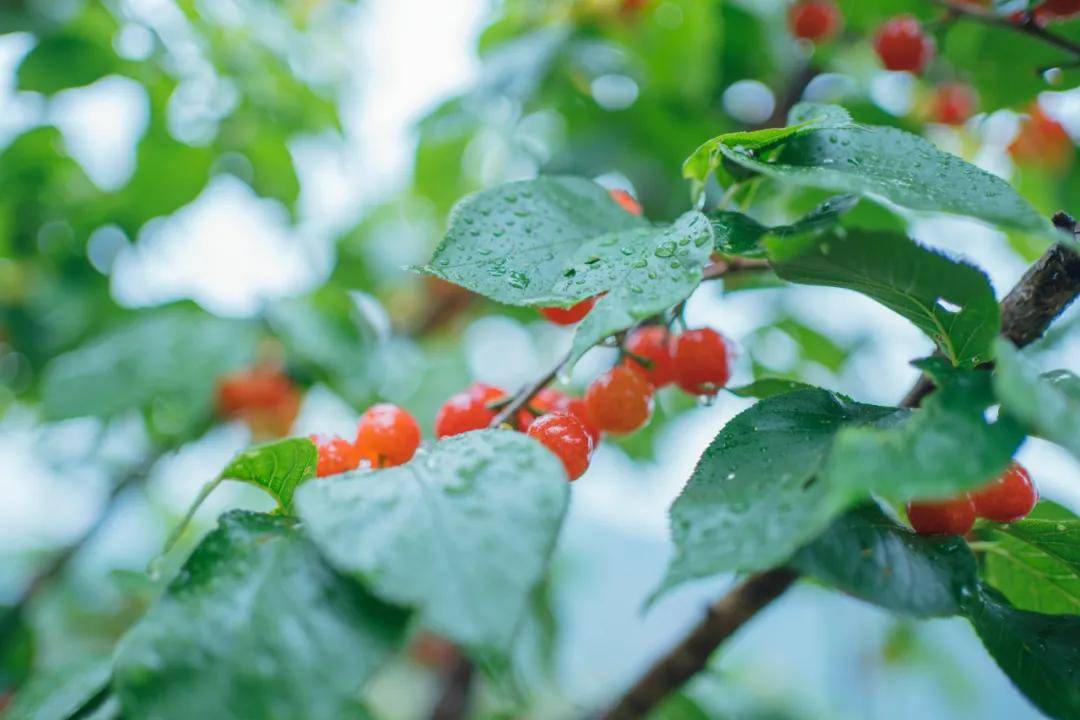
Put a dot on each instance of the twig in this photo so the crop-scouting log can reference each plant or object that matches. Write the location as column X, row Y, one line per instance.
column 1027, row 26
column 510, row 409
column 1051, row 284
column 720, row 268
column 55, row 566
column 454, row 698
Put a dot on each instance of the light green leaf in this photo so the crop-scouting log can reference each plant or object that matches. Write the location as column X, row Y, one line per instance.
column 895, row 165
column 60, row 693
column 946, row 446
column 739, row 234
column 867, row 555
column 767, row 387
column 255, row 626
column 65, row 61
column 463, row 533
column 1039, row 653
column 753, row 498
column 1047, row 404
column 278, row 467
column 950, row 301
column 1035, row 562
column 512, row 243
column 642, row 273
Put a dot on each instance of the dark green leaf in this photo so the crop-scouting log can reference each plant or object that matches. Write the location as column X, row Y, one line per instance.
column 767, row 387
column 1035, row 562
column 1049, row 404
column 867, row 555
column 952, row 302
column 278, row 468
column 512, row 243
column 946, row 446
column 65, row 61
column 60, row 693
column 753, row 498
column 641, row 273
column 739, row 234
column 255, row 626
column 1039, row 653
column 896, row 165
column 462, row 533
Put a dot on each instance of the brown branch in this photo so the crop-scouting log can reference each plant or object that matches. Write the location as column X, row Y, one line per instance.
column 453, row 699
column 1027, row 26
column 55, row 566
column 1048, row 287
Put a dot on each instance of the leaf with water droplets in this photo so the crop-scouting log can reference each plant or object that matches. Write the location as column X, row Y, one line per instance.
column 641, row 274
column 951, row 301
column 868, row 555
column 950, row 444
column 754, row 497
column 895, row 165
column 1036, row 562
column 255, row 626
column 1048, row 404
column 278, row 467
column 463, row 533
column 739, row 234
column 512, row 243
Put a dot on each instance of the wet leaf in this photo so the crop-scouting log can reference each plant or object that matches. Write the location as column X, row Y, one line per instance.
column 62, row 692
column 1048, row 404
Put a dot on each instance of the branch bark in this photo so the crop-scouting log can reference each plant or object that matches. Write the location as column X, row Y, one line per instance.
column 1026, row 26
column 1045, row 290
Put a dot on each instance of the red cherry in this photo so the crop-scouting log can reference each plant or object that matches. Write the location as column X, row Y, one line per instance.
column 545, row 401
column 1051, row 10
column 566, row 436
column 814, row 20
column 570, row 315
column 901, row 44
column 1042, row 141
column 387, row 436
column 468, row 410
column 579, row 408
column 335, row 455
column 1008, row 498
column 264, row 397
column 653, row 343
column 628, row 202
column 700, row 359
column 620, row 401
column 953, row 103
column 946, row 517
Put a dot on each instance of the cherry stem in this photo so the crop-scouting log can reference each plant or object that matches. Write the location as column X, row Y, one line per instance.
column 1028, row 26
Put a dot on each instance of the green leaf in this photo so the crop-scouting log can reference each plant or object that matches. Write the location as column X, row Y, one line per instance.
column 512, row 243
column 1049, row 404
column 60, row 693
column 866, row 554
column 1035, row 562
column 950, row 301
column 753, row 498
column 256, row 626
column 947, row 446
column 1039, row 653
column 462, row 533
column 641, row 273
column 164, row 362
column 895, row 165
column 767, row 387
column 739, row 234
column 65, row 61
column 278, row 468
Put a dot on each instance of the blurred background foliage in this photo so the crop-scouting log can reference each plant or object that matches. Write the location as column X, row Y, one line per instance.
column 192, row 187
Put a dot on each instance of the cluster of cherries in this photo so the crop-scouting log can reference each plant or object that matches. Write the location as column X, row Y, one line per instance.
column 619, row 401
column 1008, row 498
column 386, row 436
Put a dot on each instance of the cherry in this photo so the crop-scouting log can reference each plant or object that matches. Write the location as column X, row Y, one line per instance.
column 620, row 401
column 1042, row 141
column 953, row 103
column 1008, row 498
column 570, row 315
column 814, row 20
column 700, row 361
column 628, row 202
column 335, row 455
column 545, row 401
column 1051, row 10
column 946, row 517
column 652, row 343
column 580, row 409
column 264, row 397
column 468, row 410
column 387, row 436
column 567, row 437
column 901, row 44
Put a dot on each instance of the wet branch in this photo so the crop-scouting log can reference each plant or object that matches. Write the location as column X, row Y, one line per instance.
column 1027, row 25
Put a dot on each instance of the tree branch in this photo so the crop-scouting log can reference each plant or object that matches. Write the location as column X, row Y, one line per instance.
column 1047, row 288
column 1027, row 26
